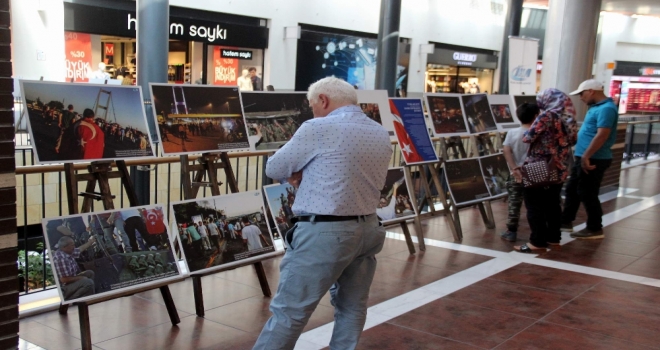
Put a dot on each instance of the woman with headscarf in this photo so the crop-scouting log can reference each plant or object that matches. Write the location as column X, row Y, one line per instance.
column 551, row 137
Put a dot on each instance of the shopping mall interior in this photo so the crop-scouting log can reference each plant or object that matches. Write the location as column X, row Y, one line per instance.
column 161, row 221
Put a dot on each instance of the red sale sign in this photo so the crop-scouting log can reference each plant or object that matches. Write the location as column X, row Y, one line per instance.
column 109, row 49
column 78, row 48
column 225, row 70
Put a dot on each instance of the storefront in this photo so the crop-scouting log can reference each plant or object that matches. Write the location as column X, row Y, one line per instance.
column 458, row 69
column 205, row 47
column 635, row 87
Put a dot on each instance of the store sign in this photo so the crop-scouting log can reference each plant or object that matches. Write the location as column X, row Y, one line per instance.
column 240, row 54
column 109, row 49
column 465, row 59
column 650, row 71
column 523, row 64
column 225, row 70
column 78, row 60
column 458, row 58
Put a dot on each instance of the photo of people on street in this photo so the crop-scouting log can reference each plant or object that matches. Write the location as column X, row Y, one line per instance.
column 502, row 114
column 199, row 118
column 273, row 117
column 465, row 180
column 496, row 171
column 372, row 111
column 446, row 114
column 375, row 104
column 83, row 122
column 394, row 197
column 478, row 113
column 100, row 252
column 280, row 200
column 217, row 231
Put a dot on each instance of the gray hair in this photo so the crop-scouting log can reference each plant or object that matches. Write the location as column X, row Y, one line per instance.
column 64, row 242
column 337, row 90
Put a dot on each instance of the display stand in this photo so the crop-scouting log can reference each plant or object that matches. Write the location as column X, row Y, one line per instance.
column 208, row 166
column 99, row 173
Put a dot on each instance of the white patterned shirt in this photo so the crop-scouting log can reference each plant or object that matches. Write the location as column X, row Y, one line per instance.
column 344, row 158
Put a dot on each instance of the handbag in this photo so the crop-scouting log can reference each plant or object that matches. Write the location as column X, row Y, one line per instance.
column 540, row 173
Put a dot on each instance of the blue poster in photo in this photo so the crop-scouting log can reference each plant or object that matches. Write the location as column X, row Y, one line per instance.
column 410, row 127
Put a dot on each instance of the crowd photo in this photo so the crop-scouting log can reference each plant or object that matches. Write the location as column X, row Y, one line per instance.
column 372, row 111
column 478, row 113
column 280, row 202
column 220, row 230
column 465, row 180
column 502, row 113
column 446, row 114
column 74, row 122
column 394, row 197
column 99, row 252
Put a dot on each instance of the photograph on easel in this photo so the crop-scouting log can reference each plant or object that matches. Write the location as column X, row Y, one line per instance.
column 96, row 253
column 395, row 197
column 279, row 200
column 198, row 118
column 218, row 231
column 478, row 113
column 411, row 133
column 71, row 122
column 495, row 172
column 465, row 180
column 273, row 117
column 375, row 105
column 520, row 99
column 446, row 114
column 504, row 110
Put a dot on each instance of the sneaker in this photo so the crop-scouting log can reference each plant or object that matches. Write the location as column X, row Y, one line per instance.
column 588, row 234
column 567, row 227
column 509, row 236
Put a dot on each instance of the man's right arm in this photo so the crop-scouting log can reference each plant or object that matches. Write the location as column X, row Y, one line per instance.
column 294, row 155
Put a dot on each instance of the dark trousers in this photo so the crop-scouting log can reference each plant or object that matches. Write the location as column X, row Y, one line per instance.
column 583, row 188
column 544, row 214
column 515, row 191
column 130, row 225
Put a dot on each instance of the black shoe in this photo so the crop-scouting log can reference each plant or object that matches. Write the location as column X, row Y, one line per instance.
column 588, row 234
column 567, row 227
column 509, row 236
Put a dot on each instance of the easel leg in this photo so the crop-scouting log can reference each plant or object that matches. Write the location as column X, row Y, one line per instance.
column 487, row 214
column 85, row 329
column 457, row 223
column 72, row 188
column 406, row 234
column 87, row 201
column 427, row 188
column 420, row 233
column 64, row 308
column 263, row 281
column 169, row 304
column 199, row 295
column 127, row 183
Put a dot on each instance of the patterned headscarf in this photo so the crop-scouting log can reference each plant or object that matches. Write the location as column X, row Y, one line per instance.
column 556, row 102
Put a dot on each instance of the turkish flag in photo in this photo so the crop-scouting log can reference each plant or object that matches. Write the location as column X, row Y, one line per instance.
column 408, row 150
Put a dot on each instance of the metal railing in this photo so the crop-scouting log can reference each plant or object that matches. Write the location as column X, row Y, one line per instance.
column 642, row 137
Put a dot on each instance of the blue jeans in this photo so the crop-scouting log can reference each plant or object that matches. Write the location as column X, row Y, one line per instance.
column 322, row 256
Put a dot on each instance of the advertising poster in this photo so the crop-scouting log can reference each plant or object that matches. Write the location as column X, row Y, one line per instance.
column 96, row 254
column 395, row 201
column 374, row 104
column 216, row 232
column 85, row 122
column 446, row 114
column 78, row 56
column 465, row 180
column 523, row 54
column 198, row 118
column 280, row 199
column 410, row 127
column 478, row 114
column 504, row 110
column 495, row 172
column 225, row 70
column 273, row 117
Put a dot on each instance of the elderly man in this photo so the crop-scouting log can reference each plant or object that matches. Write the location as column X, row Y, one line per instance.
column 74, row 284
column 593, row 155
column 339, row 161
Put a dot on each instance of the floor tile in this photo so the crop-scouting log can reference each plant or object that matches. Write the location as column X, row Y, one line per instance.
column 555, row 280
column 654, row 254
column 46, row 337
column 247, row 274
column 632, row 235
column 591, row 258
column 464, row 322
column 390, row 337
column 612, row 245
column 635, row 224
column 412, row 275
column 443, row 258
column 644, row 267
column 625, row 293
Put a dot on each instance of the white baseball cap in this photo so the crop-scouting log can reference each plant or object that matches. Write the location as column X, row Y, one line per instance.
column 590, row 84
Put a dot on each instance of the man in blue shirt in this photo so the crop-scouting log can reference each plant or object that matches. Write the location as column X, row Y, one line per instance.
column 593, row 155
column 338, row 161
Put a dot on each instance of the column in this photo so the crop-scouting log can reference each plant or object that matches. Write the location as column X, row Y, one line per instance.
column 570, row 42
column 388, row 45
column 511, row 28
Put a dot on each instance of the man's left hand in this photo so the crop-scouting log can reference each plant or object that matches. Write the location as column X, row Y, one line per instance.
column 586, row 165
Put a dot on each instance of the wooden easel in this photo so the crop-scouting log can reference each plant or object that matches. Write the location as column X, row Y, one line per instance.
column 208, row 166
column 99, row 173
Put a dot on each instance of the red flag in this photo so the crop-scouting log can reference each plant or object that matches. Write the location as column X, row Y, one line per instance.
column 408, row 150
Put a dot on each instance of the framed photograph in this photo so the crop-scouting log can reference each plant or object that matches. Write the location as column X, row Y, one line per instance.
column 495, row 172
column 72, row 123
column 410, row 128
column 466, row 181
column 395, row 204
column 447, row 116
column 97, row 254
column 504, row 111
column 374, row 104
column 520, row 99
column 280, row 199
column 478, row 114
column 222, row 231
column 198, row 118
column 273, row 117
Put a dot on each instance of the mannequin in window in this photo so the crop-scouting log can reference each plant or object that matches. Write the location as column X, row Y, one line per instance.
column 100, row 73
column 244, row 82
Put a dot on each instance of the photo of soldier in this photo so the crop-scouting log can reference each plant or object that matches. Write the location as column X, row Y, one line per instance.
column 274, row 117
column 84, row 122
column 502, row 113
column 372, row 111
column 465, row 180
column 198, row 118
column 495, row 171
column 446, row 114
column 394, row 197
column 280, row 200
column 479, row 115
column 92, row 254
column 219, row 230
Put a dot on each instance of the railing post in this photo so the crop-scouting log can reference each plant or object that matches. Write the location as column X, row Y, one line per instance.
column 647, row 145
column 629, row 142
